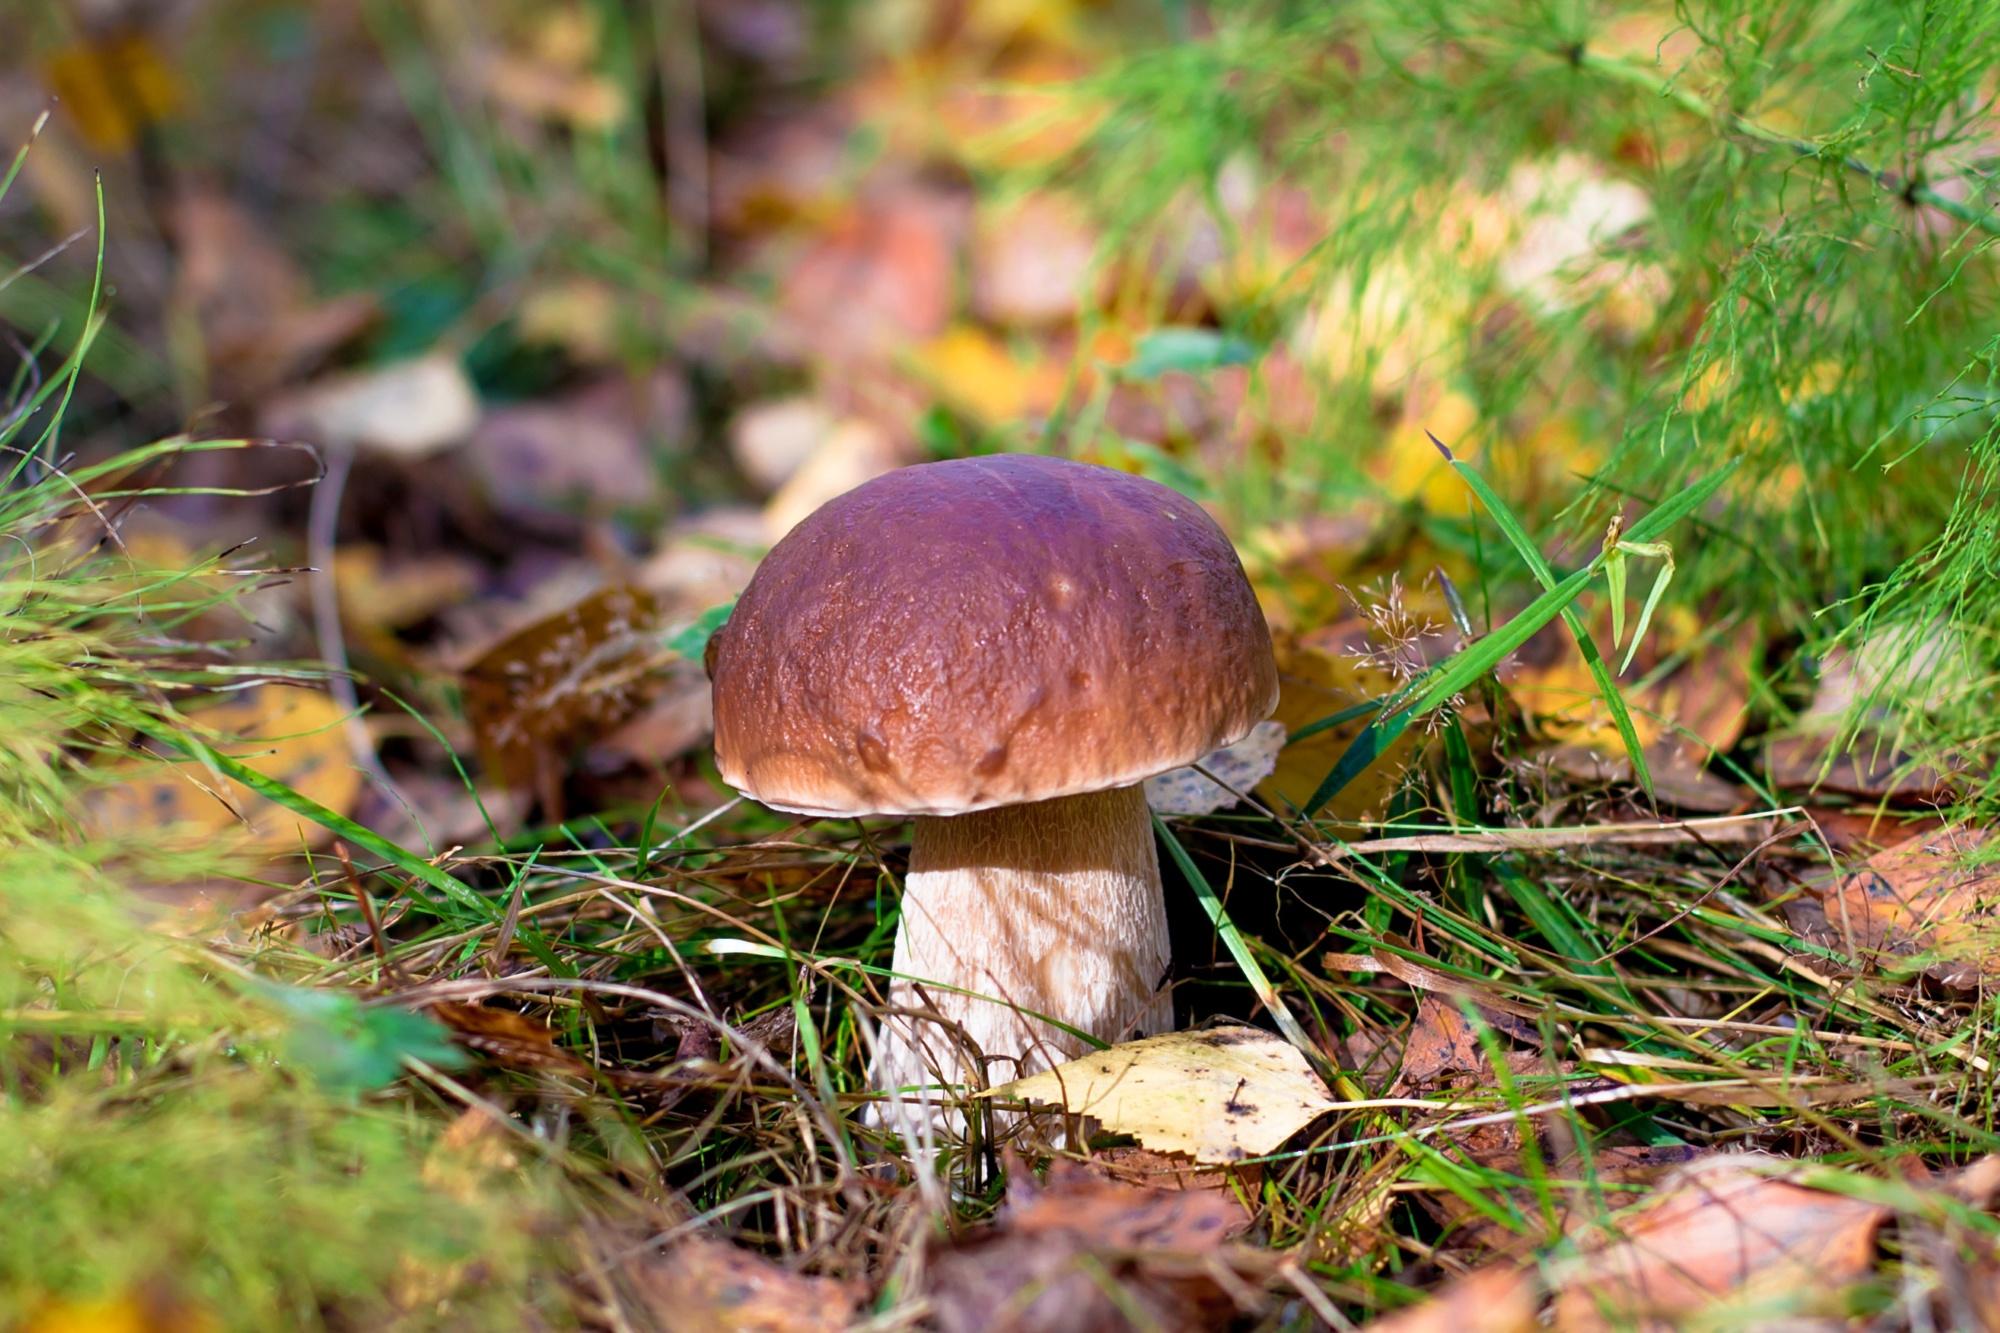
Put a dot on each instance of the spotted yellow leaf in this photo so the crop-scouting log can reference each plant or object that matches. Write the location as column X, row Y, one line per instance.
column 1218, row 1095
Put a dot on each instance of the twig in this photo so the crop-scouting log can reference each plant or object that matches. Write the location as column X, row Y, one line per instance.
column 322, row 528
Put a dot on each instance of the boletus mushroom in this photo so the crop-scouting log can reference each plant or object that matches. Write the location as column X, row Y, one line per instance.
column 1003, row 648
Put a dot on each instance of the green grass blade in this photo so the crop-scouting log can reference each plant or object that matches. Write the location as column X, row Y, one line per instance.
column 1531, row 555
column 1239, row 948
column 21, row 156
column 1476, row 659
column 331, row 820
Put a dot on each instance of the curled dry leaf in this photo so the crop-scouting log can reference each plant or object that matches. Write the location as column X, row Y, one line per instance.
column 1084, row 1253
column 1240, row 767
column 563, row 682
column 1441, row 1043
column 711, row 1286
column 507, row 1035
column 1218, row 1095
column 1722, row 1227
column 1918, row 899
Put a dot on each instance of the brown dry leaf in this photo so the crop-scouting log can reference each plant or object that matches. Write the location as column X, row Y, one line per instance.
column 1698, row 710
column 253, row 309
column 1866, row 767
column 1722, row 1227
column 509, row 1036
column 1918, row 898
column 592, row 451
column 1159, row 1170
column 293, row 735
column 680, row 716
column 711, row 1286
column 1218, row 1095
column 409, row 409
column 1082, row 1253
column 883, row 275
column 1031, row 261
column 1500, row 1299
column 1441, row 1043
column 563, row 682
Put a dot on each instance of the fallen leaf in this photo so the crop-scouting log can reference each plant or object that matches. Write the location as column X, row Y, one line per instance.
column 1441, row 1042
column 1318, row 678
column 975, row 373
column 253, row 308
column 1719, row 1227
column 1186, row 791
column 150, row 1308
column 706, row 559
column 1866, row 767
column 1500, row 1299
column 114, row 87
column 883, row 275
column 409, row 408
column 1918, row 899
column 464, row 1165
column 507, row 1035
column 595, row 450
column 1081, row 1253
column 772, row 440
column 856, row 451
column 562, row 682
column 293, row 735
column 679, row 717
column 711, row 1286
column 1218, row 1095
column 1031, row 261
column 582, row 316
column 378, row 597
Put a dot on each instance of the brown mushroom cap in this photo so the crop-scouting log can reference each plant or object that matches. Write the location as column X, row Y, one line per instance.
column 985, row 632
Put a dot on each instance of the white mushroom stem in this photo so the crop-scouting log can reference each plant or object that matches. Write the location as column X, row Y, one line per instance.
column 1052, row 908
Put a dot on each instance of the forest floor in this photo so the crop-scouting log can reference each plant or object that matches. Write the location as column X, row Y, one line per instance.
column 383, row 949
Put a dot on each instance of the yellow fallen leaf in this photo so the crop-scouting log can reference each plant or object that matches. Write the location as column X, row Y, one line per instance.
column 1316, row 682
column 972, row 371
column 1218, row 1095
column 114, row 88
column 1410, row 467
column 292, row 735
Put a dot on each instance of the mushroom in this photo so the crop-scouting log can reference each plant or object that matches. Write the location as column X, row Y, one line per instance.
column 1003, row 648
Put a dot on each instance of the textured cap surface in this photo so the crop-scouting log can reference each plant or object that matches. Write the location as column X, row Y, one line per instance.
column 989, row 631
